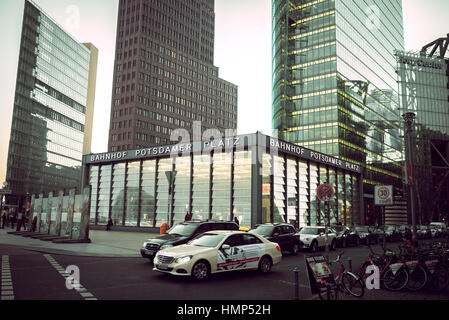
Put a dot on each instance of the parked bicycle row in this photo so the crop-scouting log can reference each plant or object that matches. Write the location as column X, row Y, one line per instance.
column 426, row 267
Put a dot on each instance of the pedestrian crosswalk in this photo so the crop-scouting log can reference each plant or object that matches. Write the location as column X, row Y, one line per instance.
column 71, row 281
column 7, row 290
column 39, row 276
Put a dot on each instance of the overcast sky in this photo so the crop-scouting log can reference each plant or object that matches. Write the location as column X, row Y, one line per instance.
column 242, row 53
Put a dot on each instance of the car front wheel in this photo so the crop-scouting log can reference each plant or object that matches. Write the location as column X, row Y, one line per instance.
column 200, row 270
column 265, row 264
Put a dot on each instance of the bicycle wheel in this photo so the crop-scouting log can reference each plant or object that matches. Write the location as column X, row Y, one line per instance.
column 439, row 280
column 417, row 279
column 352, row 284
column 395, row 281
column 362, row 271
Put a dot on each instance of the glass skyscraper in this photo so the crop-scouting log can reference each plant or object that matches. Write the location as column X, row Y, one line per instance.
column 52, row 116
column 334, row 82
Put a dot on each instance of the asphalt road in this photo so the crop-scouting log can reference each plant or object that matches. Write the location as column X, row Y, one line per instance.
column 40, row 276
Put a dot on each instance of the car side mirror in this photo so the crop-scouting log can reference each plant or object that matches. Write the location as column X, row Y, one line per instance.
column 226, row 247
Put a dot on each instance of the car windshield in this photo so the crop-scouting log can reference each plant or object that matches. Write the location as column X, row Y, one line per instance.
column 263, row 230
column 309, row 231
column 209, row 240
column 183, row 229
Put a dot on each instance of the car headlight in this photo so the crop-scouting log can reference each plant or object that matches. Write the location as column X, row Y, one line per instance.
column 183, row 259
column 145, row 244
column 165, row 246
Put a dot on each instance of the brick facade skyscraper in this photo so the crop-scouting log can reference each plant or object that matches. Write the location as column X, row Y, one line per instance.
column 164, row 77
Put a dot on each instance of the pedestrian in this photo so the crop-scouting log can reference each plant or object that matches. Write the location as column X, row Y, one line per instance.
column 19, row 220
column 188, row 216
column 236, row 220
column 12, row 217
column 109, row 225
column 33, row 224
column 3, row 218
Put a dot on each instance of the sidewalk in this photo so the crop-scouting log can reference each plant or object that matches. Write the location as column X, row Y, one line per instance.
column 104, row 244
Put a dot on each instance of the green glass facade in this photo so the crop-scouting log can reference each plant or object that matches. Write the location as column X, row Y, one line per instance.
column 49, row 117
column 334, row 82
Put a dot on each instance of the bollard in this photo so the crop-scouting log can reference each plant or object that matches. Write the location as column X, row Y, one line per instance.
column 296, row 271
column 350, row 264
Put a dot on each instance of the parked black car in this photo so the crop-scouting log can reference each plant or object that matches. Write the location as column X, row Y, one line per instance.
column 406, row 231
column 346, row 236
column 182, row 233
column 392, row 233
column 283, row 234
column 367, row 234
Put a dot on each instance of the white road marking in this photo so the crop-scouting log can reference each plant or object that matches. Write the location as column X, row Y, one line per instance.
column 6, row 289
column 81, row 290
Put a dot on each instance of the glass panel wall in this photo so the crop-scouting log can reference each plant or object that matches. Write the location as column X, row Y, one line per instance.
column 104, row 194
column 314, row 218
column 292, row 193
column 132, row 194
column 333, row 205
column 201, row 187
column 118, row 193
column 242, row 188
column 147, row 204
column 162, row 196
column 93, row 181
column 181, row 189
column 279, row 189
column 221, row 186
column 341, row 197
column 356, row 201
column 303, row 179
column 266, row 188
column 349, row 211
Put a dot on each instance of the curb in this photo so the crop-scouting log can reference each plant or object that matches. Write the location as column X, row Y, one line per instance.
column 73, row 253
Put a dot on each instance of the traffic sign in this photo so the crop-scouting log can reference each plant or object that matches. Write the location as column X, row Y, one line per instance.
column 383, row 195
column 325, row 192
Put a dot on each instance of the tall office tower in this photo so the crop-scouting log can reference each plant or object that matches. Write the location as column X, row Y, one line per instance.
column 334, row 82
column 53, row 107
column 164, row 77
column 423, row 79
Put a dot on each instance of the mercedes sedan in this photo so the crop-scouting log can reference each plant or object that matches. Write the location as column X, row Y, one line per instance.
column 218, row 251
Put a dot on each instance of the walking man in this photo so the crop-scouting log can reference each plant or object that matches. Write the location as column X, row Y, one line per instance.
column 3, row 218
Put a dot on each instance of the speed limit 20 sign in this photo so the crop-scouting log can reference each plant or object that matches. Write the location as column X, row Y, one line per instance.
column 383, row 195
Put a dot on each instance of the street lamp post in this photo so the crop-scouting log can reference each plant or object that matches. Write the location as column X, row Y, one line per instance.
column 409, row 117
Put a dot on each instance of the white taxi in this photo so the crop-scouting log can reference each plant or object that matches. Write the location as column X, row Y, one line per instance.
column 218, row 251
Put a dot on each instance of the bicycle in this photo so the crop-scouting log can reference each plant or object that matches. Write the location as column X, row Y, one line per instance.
column 433, row 258
column 417, row 274
column 346, row 282
column 393, row 273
